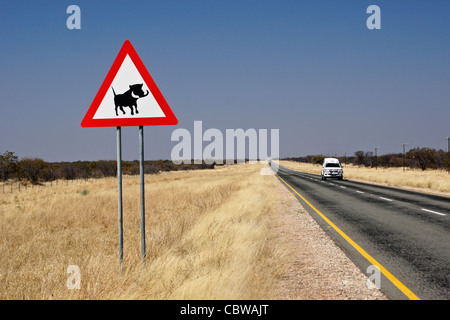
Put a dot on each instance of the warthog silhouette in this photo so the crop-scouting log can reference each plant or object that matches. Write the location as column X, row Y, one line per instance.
column 129, row 98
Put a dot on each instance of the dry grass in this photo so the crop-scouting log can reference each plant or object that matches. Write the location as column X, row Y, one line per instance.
column 434, row 181
column 209, row 236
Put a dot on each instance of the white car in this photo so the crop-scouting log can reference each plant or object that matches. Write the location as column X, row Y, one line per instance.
column 331, row 168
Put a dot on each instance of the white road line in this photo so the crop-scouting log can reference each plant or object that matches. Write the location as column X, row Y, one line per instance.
column 359, row 191
column 343, row 187
column 386, row 199
column 441, row 214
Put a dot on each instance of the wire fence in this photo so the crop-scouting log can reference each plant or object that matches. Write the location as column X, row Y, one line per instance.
column 13, row 186
column 21, row 186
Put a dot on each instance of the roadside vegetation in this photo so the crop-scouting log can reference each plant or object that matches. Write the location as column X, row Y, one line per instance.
column 430, row 180
column 210, row 235
column 36, row 170
column 419, row 168
column 415, row 158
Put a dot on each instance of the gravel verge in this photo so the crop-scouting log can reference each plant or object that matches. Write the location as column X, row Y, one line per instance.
column 319, row 270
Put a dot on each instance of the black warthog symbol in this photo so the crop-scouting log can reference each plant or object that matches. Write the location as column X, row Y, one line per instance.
column 129, row 98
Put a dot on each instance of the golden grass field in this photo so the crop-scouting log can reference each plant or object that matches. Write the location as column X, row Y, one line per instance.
column 432, row 181
column 209, row 235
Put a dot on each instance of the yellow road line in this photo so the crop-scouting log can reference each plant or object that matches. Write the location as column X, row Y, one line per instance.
column 388, row 275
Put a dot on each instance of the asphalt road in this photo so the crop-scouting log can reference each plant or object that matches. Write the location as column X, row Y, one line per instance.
column 406, row 233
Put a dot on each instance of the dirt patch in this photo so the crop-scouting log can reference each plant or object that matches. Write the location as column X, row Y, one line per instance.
column 319, row 270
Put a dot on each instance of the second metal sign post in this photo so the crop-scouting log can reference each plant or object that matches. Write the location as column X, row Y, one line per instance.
column 141, row 169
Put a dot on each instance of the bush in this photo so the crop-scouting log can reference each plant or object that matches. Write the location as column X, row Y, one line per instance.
column 317, row 159
column 32, row 168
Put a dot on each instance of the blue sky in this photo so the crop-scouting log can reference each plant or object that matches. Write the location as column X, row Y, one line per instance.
column 311, row 69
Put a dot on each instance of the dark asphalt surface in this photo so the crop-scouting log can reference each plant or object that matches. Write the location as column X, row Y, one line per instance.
column 408, row 233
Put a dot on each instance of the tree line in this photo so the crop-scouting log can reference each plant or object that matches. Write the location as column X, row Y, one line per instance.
column 36, row 170
column 421, row 158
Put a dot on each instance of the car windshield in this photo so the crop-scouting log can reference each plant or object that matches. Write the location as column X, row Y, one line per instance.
column 332, row 165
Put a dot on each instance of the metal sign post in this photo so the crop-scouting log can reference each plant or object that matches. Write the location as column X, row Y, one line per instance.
column 119, row 187
column 141, row 169
column 111, row 108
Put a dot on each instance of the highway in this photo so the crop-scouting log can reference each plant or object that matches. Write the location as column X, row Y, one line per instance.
column 406, row 234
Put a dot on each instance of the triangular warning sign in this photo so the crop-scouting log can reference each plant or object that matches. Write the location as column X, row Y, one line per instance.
column 128, row 96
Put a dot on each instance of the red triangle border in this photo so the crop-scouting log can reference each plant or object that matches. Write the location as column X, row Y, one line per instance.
column 169, row 119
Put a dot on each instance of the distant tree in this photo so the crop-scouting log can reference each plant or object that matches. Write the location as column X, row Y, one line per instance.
column 8, row 165
column 441, row 159
column 107, row 167
column 318, row 159
column 49, row 174
column 423, row 157
column 68, row 171
column 82, row 169
column 31, row 168
column 369, row 159
column 359, row 158
column 151, row 168
column 395, row 160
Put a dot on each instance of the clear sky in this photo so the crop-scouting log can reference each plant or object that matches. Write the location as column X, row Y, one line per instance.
column 311, row 69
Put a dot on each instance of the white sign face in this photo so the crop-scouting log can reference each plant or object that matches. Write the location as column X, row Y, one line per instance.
column 128, row 96
column 127, row 76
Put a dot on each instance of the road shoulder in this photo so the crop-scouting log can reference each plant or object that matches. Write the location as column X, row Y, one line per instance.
column 318, row 270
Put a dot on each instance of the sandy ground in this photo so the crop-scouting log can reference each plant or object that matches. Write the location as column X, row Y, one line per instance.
column 319, row 269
